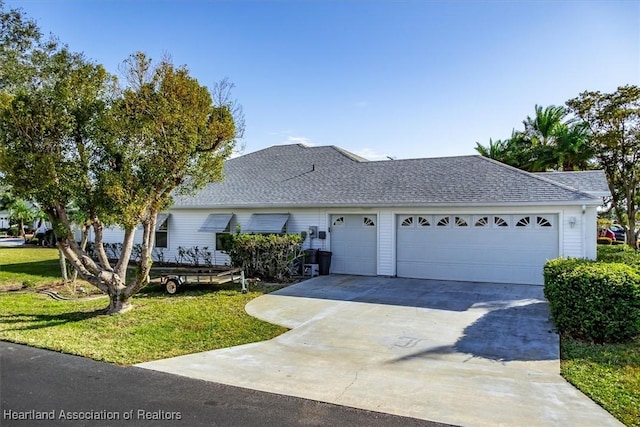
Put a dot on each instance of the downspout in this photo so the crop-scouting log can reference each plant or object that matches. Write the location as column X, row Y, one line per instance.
column 584, row 231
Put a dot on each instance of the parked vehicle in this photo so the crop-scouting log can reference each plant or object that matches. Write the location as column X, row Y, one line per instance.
column 619, row 233
column 11, row 242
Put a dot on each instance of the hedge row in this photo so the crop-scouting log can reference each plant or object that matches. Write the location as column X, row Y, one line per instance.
column 594, row 301
column 621, row 253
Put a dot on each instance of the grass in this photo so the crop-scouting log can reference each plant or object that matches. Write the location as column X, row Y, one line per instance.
column 608, row 373
column 28, row 266
column 204, row 318
column 159, row 326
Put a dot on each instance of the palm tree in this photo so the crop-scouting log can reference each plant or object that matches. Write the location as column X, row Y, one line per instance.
column 548, row 142
column 572, row 148
column 495, row 150
column 544, row 127
column 21, row 212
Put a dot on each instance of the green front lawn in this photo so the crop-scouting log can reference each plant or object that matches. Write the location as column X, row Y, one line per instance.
column 159, row 326
column 208, row 318
column 29, row 266
column 608, row 373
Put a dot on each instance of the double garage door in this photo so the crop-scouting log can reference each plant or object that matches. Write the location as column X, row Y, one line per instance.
column 482, row 248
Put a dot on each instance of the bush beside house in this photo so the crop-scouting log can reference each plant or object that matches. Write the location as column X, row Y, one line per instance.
column 269, row 256
column 597, row 301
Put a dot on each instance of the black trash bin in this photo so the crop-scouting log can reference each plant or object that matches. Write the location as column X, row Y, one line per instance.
column 324, row 262
column 310, row 256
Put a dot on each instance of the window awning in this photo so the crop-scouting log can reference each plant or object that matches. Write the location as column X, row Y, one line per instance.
column 267, row 223
column 162, row 219
column 216, row 223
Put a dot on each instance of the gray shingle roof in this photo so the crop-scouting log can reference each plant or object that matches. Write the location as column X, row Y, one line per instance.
column 591, row 182
column 300, row 176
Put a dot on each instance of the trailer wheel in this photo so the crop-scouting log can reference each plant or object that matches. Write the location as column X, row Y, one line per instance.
column 172, row 286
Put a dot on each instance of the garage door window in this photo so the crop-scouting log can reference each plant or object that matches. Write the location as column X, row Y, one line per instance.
column 368, row 222
column 338, row 222
column 407, row 222
column 524, row 222
column 424, row 222
column 461, row 221
column 500, row 221
column 443, row 222
column 543, row 222
column 482, row 221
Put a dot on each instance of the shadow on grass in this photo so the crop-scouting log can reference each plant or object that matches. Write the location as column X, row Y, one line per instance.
column 621, row 355
column 40, row 321
column 36, row 268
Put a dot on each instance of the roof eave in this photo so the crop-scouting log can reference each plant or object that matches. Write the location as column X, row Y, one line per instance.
column 587, row 202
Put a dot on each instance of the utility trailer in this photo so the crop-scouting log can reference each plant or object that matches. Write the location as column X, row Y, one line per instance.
column 174, row 279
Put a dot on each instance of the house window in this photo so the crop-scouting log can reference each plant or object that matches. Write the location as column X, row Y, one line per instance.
column 162, row 231
column 223, row 239
column 368, row 222
column 407, row 222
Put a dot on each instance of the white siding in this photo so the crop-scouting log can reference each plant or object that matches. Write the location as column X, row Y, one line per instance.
column 591, row 232
column 576, row 241
column 386, row 244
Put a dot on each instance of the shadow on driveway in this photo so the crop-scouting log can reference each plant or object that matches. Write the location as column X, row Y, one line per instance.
column 521, row 333
column 433, row 294
column 512, row 324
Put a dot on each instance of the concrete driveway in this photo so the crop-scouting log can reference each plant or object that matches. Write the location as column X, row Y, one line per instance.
column 471, row 354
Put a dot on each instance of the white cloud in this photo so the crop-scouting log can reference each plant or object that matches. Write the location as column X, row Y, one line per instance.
column 370, row 154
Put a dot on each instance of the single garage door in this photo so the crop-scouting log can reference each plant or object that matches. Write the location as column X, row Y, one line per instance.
column 354, row 241
column 480, row 248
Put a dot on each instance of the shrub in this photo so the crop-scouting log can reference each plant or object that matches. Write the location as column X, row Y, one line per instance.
column 593, row 301
column 623, row 254
column 194, row 256
column 605, row 241
column 269, row 256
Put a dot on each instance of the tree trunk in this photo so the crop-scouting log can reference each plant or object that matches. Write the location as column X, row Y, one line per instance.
column 118, row 302
column 63, row 266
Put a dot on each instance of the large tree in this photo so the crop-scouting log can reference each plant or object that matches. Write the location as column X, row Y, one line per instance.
column 614, row 124
column 71, row 140
column 550, row 140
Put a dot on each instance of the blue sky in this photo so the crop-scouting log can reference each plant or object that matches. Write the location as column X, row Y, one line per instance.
column 380, row 78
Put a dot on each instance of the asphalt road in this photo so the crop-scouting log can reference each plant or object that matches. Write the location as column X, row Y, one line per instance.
column 73, row 391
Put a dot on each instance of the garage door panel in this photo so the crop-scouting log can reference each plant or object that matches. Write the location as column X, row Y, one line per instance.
column 354, row 240
column 498, row 273
column 512, row 253
column 474, row 253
